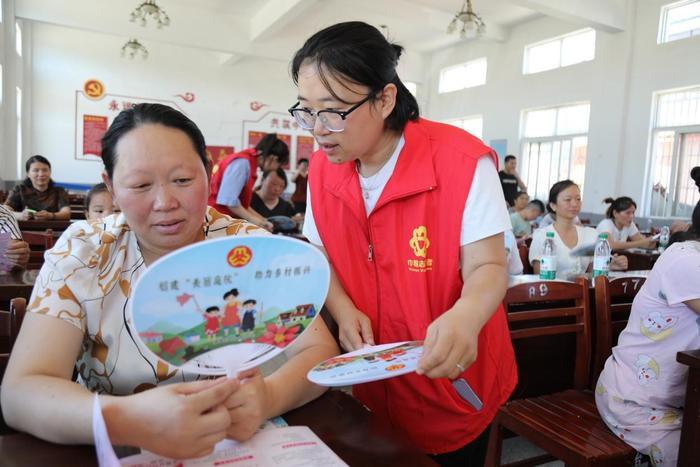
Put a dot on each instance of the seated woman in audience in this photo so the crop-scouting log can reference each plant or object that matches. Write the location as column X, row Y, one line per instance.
column 620, row 227
column 157, row 169
column 551, row 217
column 17, row 253
column 641, row 391
column 521, row 200
column 37, row 197
column 267, row 200
column 565, row 203
column 522, row 220
column 98, row 202
column 300, row 179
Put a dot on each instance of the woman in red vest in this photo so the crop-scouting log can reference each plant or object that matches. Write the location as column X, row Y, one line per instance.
column 411, row 216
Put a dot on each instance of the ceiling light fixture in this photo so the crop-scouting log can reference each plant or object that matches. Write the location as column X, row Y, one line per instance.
column 471, row 23
column 149, row 8
column 133, row 47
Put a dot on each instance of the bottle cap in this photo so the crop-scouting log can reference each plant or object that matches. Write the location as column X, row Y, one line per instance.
column 603, row 236
column 550, row 234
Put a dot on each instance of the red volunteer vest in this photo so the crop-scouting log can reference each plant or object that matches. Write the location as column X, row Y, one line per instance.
column 217, row 173
column 400, row 266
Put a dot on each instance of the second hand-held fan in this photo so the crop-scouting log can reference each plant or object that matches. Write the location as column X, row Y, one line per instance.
column 221, row 306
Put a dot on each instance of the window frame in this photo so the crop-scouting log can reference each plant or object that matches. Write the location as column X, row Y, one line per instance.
column 560, row 39
column 663, row 22
column 466, row 64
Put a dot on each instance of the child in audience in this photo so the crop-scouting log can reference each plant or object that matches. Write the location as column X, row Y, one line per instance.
column 641, row 391
column 620, row 227
column 522, row 220
column 565, row 203
column 98, row 202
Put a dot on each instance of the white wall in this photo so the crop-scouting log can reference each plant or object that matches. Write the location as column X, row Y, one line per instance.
column 628, row 67
column 65, row 58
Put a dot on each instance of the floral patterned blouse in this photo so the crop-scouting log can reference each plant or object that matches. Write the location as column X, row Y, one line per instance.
column 86, row 281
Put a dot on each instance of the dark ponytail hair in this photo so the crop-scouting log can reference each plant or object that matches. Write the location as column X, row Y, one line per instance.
column 554, row 193
column 359, row 53
column 695, row 175
column 142, row 114
column 620, row 204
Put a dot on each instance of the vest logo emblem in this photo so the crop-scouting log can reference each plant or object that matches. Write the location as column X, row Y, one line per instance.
column 419, row 242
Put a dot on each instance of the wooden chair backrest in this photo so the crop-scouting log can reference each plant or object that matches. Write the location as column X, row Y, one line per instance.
column 524, row 252
column 548, row 308
column 613, row 303
column 39, row 242
column 10, row 323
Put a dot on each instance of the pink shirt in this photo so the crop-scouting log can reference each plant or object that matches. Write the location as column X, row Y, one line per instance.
column 643, row 366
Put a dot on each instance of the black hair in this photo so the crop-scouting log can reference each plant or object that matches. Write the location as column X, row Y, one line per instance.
column 303, row 159
column 212, row 308
column 695, row 175
column 521, row 193
column 99, row 188
column 271, row 145
column 508, row 158
column 250, row 301
column 143, row 114
column 280, row 173
column 233, row 292
column 28, row 164
column 536, row 203
column 554, row 192
column 623, row 203
column 357, row 52
column 36, row 158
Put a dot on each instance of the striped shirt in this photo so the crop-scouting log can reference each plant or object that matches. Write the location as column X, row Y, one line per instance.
column 8, row 223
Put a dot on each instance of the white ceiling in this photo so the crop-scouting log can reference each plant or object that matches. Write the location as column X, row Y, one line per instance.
column 274, row 29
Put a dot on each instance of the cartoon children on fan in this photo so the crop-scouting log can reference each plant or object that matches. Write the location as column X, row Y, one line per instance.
column 212, row 315
column 231, row 318
column 248, row 315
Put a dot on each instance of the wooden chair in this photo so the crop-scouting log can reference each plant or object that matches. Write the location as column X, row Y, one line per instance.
column 10, row 322
column 613, row 303
column 689, row 451
column 39, row 242
column 565, row 424
column 524, row 252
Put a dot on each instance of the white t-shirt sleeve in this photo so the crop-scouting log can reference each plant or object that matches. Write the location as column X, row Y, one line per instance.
column 604, row 226
column 632, row 230
column 232, row 183
column 310, row 231
column 515, row 265
column 485, row 212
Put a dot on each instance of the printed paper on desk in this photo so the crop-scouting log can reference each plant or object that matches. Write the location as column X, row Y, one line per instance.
column 371, row 363
column 224, row 305
column 296, row 446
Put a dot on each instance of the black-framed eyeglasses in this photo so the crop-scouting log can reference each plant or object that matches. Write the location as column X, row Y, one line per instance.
column 332, row 120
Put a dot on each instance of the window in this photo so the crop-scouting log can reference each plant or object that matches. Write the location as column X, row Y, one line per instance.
column 0, row 83
column 18, row 39
column 675, row 149
column 554, row 143
column 462, row 76
column 473, row 124
column 412, row 87
column 561, row 51
column 19, row 130
column 679, row 20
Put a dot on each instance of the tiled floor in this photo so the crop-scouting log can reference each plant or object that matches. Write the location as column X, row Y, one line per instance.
column 515, row 449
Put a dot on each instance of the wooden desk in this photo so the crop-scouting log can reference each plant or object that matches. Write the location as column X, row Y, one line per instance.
column 639, row 258
column 689, row 451
column 40, row 225
column 18, row 283
column 350, row 430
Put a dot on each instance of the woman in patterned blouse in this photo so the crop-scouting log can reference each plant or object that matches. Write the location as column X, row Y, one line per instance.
column 157, row 169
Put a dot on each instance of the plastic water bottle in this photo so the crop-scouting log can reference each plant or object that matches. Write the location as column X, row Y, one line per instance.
column 548, row 262
column 601, row 257
column 664, row 237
